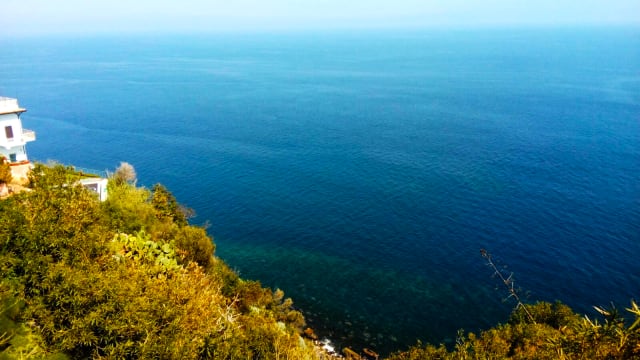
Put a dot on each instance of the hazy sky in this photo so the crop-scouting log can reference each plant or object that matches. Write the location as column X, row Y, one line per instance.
column 19, row 17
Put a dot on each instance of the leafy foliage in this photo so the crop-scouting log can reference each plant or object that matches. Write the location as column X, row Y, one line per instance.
column 167, row 206
column 5, row 171
column 125, row 174
column 146, row 252
column 555, row 332
column 127, row 278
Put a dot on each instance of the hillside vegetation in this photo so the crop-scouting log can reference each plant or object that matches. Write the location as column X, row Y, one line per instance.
column 129, row 278
column 553, row 332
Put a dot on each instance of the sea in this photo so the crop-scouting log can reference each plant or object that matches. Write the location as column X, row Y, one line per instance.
column 362, row 172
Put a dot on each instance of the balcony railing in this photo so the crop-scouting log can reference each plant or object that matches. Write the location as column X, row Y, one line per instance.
column 91, row 172
column 28, row 135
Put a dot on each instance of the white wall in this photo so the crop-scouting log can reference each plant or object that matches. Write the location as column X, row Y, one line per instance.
column 97, row 185
column 14, row 145
column 16, row 125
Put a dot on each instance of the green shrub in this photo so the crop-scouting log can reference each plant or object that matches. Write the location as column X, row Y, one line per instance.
column 557, row 333
column 5, row 171
column 127, row 278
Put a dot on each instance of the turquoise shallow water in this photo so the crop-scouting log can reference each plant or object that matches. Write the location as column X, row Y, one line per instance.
column 362, row 172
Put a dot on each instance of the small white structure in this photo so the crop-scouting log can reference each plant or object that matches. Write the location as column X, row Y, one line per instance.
column 13, row 137
column 97, row 185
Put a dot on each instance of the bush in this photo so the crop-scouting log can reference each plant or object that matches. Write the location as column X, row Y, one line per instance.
column 93, row 282
column 557, row 333
column 5, row 171
column 125, row 173
column 195, row 245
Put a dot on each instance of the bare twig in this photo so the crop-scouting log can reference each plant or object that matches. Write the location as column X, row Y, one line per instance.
column 508, row 282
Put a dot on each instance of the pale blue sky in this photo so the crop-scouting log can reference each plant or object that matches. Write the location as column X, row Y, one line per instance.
column 23, row 17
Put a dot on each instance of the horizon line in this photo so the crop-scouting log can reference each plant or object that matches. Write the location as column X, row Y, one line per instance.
column 323, row 30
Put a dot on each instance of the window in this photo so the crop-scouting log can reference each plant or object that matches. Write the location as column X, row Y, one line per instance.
column 92, row 187
column 8, row 130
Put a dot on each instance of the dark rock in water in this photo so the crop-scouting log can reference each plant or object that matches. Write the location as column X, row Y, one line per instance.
column 370, row 353
column 350, row 354
column 308, row 332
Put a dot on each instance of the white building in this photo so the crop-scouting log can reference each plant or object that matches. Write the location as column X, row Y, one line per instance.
column 97, row 185
column 13, row 138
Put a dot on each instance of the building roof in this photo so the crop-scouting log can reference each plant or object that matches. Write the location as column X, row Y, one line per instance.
column 10, row 106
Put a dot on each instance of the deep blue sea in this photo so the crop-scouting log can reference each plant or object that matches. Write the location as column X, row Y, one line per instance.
column 362, row 172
